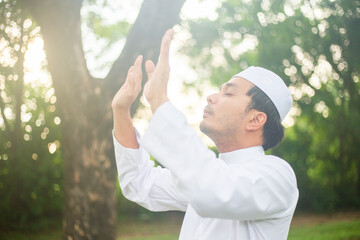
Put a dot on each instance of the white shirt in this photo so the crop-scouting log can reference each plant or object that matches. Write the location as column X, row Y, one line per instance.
column 243, row 194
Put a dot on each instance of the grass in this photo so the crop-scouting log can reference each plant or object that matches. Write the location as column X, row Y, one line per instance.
column 343, row 230
column 166, row 227
column 44, row 235
column 153, row 237
column 326, row 228
column 333, row 230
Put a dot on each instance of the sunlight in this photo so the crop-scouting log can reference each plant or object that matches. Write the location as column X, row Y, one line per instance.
column 34, row 55
column 34, row 63
column 200, row 9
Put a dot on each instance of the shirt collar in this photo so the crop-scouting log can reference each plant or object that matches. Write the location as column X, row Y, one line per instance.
column 242, row 155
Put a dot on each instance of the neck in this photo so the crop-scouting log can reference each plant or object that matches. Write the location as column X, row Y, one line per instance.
column 228, row 144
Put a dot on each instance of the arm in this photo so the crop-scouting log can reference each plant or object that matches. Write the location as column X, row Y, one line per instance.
column 150, row 187
column 141, row 182
column 123, row 128
column 155, row 92
column 213, row 188
column 260, row 190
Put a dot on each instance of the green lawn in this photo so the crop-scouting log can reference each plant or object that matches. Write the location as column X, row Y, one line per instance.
column 343, row 230
column 169, row 230
column 45, row 235
column 152, row 237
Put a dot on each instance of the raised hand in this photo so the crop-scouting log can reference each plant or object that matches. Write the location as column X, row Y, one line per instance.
column 130, row 89
column 155, row 90
column 123, row 128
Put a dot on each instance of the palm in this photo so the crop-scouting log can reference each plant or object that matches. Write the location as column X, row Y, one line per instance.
column 130, row 89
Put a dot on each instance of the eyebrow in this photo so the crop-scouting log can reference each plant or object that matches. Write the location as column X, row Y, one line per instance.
column 228, row 85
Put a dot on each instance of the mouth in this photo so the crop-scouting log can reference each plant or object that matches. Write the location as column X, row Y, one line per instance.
column 207, row 111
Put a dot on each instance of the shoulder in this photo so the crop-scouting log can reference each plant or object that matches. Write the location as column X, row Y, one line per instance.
column 277, row 167
column 275, row 160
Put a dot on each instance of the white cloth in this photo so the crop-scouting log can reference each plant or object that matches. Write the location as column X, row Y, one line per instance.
column 243, row 194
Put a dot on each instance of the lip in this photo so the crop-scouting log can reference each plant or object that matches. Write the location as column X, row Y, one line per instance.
column 207, row 112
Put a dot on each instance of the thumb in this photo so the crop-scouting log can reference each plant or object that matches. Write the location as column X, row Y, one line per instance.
column 149, row 67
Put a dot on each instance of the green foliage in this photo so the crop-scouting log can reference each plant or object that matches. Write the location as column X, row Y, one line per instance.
column 111, row 32
column 314, row 47
column 32, row 177
column 105, row 25
column 31, row 166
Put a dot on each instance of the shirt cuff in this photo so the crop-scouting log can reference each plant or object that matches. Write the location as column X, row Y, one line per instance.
column 128, row 159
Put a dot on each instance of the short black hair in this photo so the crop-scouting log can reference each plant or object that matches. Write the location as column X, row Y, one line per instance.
column 273, row 130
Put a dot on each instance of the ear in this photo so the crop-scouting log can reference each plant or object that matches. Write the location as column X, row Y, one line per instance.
column 256, row 120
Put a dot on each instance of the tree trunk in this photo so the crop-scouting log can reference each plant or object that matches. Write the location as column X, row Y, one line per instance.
column 84, row 107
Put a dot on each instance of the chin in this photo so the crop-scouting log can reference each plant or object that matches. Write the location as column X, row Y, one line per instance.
column 202, row 127
column 205, row 129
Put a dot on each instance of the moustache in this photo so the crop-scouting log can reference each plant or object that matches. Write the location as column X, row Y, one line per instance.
column 208, row 110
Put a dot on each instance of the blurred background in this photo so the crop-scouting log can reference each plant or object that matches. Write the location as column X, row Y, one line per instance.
column 62, row 61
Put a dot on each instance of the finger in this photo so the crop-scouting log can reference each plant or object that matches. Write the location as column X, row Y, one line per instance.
column 138, row 70
column 150, row 68
column 137, row 65
column 130, row 74
column 126, row 84
column 165, row 46
column 133, row 71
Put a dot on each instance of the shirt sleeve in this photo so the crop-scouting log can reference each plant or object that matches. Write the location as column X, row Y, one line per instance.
column 213, row 188
column 141, row 182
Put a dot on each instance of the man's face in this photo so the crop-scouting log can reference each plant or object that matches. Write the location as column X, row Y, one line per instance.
column 226, row 110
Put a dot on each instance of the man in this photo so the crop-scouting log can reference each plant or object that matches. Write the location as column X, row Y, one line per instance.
column 243, row 194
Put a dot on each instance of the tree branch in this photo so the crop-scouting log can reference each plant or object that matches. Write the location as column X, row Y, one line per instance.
column 155, row 17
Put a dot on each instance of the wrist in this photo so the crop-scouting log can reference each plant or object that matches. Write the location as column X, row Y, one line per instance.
column 121, row 110
column 156, row 103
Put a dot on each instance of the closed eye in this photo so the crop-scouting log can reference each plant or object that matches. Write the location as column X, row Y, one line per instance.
column 228, row 89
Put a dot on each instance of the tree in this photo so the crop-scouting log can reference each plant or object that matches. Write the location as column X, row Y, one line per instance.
column 84, row 106
column 313, row 47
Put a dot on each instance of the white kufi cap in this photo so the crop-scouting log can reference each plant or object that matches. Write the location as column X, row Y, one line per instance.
column 272, row 85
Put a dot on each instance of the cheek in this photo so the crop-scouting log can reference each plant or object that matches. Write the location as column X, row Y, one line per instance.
column 232, row 110
column 232, row 115
column 229, row 119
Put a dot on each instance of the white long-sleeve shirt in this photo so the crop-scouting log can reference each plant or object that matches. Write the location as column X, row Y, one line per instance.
column 243, row 194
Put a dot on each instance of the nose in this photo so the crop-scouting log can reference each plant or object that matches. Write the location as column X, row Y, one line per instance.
column 211, row 99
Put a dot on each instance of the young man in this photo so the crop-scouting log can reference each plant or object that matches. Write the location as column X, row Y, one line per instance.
column 243, row 194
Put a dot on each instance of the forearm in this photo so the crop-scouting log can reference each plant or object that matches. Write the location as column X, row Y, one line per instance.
column 141, row 182
column 124, row 131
